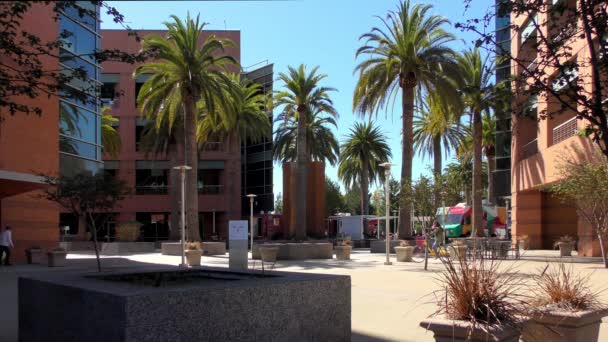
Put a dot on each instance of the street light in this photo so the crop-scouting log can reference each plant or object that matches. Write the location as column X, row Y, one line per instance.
column 251, row 197
column 395, row 214
column 387, row 211
column 443, row 194
column 182, row 169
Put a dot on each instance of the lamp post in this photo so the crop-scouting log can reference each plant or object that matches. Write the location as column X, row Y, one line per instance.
column 395, row 214
column 443, row 194
column 251, row 197
column 387, row 173
column 182, row 170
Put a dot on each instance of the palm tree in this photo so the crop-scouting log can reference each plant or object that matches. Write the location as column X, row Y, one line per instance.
column 302, row 97
column 362, row 151
column 437, row 124
column 184, row 73
column 110, row 138
column 476, row 74
column 459, row 173
column 323, row 145
column 408, row 53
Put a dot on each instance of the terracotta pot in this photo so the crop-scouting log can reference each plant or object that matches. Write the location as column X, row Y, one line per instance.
column 34, row 255
column 565, row 248
column 193, row 257
column 56, row 258
column 343, row 252
column 457, row 252
column 269, row 254
column 563, row 326
column 455, row 330
column 404, row 253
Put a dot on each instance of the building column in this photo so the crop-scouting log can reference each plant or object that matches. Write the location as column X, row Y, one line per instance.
column 588, row 243
column 527, row 217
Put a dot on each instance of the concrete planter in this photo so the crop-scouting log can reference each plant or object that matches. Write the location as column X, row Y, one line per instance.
column 193, row 257
column 56, row 258
column 298, row 250
column 379, row 246
column 238, row 306
column 404, row 254
column 456, row 330
column 33, row 255
column 563, row 326
column 213, row 247
column 457, row 252
column 343, row 252
column 565, row 248
column 269, row 254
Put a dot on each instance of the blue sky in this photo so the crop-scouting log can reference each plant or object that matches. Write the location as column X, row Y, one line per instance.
column 312, row 32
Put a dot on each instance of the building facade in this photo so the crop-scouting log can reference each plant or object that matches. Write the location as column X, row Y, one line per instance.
column 540, row 145
column 64, row 139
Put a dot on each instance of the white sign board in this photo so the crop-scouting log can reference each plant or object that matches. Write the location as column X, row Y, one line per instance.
column 238, row 230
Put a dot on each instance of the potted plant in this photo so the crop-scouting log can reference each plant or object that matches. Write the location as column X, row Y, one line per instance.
column 404, row 252
column 56, row 257
column 565, row 307
column 193, row 253
column 33, row 255
column 565, row 244
column 269, row 253
column 477, row 303
column 344, row 248
column 458, row 249
column 524, row 242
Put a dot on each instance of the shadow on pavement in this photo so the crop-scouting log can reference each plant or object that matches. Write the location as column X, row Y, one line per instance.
column 361, row 337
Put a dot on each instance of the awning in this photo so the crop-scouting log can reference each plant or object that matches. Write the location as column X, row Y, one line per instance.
column 14, row 183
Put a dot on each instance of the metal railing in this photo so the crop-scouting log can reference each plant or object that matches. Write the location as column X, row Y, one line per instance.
column 210, row 189
column 564, row 131
column 530, row 149
column 151, row 189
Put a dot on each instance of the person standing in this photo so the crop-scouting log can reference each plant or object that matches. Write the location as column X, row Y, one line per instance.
column 6, row 243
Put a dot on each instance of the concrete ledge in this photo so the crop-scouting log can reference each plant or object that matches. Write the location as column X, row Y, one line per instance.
column 109, row 248
column 213, row 247
column 238, row 306
column 298, row 250
column 171, row 248
column 379, row 246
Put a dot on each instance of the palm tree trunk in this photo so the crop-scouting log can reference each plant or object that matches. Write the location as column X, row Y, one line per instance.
column 437, row 168
column 364, row 187
column 405, row 211
column 174, row 193
column 490, row 158
column 302, row 177
column 191, row 157
column 478, row 228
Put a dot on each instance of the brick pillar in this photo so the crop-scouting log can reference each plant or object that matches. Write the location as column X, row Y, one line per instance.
column 527, row 216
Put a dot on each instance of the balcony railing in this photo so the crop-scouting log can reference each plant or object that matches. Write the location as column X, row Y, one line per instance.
column 210, row 189
column 530, row 149
column 564, row 131
column 151, row 189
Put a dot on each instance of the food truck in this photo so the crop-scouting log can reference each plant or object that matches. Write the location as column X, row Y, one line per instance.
column 457, row 220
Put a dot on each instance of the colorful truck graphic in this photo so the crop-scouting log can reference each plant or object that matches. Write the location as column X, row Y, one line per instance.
column 457, row 220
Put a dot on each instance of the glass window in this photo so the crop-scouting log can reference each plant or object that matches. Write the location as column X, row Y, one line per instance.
column 79, row 98
column 77, row 122
column 528, row 29
column 75, row 62
column 503, row 35
column 70, row 165
column 76, row 38
column 82, row 11
column 76, row 147
column 87, row 86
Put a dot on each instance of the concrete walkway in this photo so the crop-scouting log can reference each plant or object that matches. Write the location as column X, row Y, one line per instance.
column 388, row 302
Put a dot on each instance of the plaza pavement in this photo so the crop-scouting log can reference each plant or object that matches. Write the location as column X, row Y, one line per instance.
column 388, row 302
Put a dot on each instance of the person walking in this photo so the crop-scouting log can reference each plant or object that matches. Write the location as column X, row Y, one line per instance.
column 6, row 243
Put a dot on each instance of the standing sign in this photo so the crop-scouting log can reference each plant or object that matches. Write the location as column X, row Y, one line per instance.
column 238, row 253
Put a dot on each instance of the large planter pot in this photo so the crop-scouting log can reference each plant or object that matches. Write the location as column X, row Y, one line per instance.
column 565, row 248
column 56, row 258
column 404, row 253
column 524, row 244
column 193, row 257
column 269, row 254
column 455, row 330
column 343, row 252
column 563, row 326
column 33, row 255
column 457, row 252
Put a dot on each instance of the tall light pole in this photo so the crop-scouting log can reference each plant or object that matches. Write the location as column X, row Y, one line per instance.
column 443, row 194
column 395, row 212
column 182, row 170
column 387, row 211
column 251, row 198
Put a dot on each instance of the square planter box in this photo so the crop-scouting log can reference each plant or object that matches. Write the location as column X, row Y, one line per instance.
column 203, row 304
column 564, row 326
column 454, row 330
column 34, row 256
column 56, row 258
